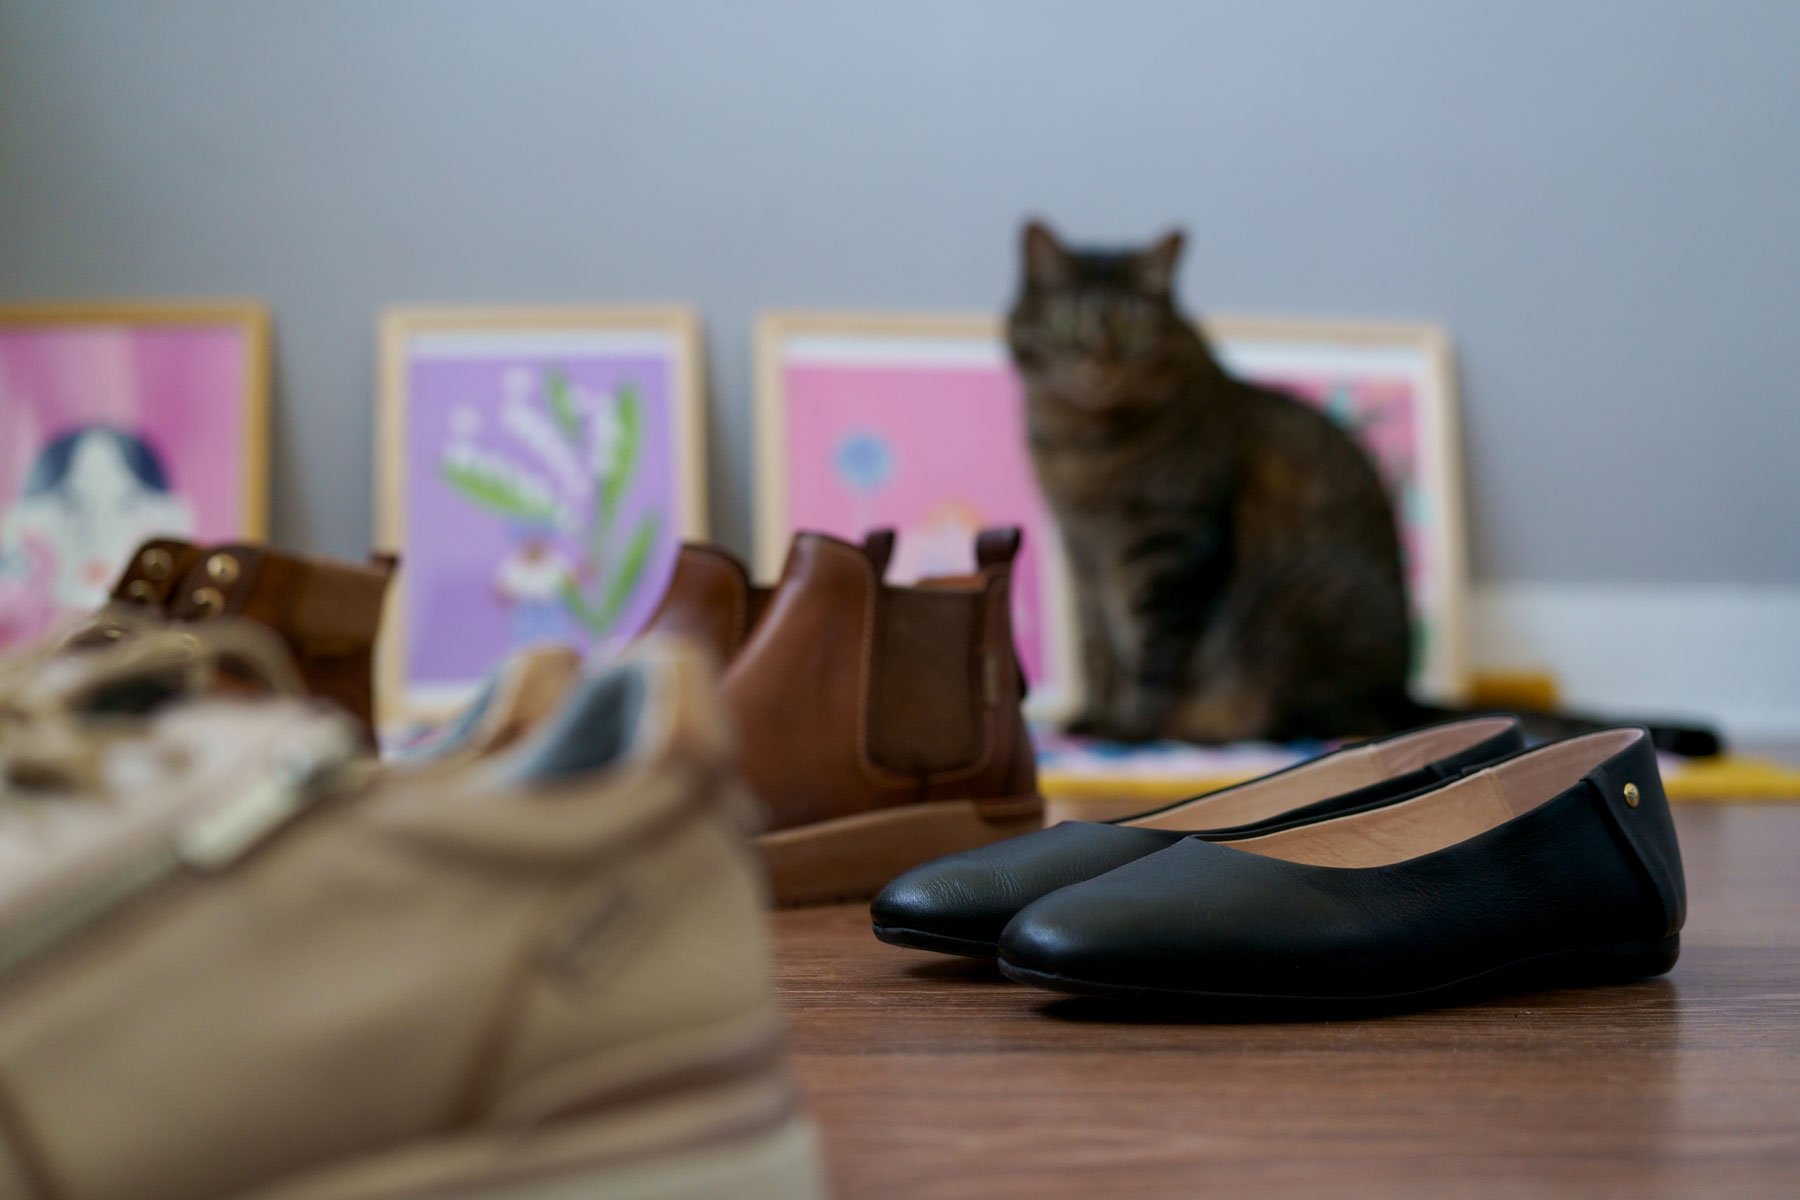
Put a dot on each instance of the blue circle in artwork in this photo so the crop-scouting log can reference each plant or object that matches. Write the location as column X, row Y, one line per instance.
column 864, row 460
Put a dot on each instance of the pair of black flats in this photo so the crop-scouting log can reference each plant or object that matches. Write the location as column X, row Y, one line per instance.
column 1421, row 869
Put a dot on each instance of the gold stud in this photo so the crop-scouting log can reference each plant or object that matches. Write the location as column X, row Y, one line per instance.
column 140, row 591
column 1631, row 795
column 209, row 601
column 222, row 569
column 156, row 563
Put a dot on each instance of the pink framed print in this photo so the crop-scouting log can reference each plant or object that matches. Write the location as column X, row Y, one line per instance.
column 916, row 422
column 538, row 471
column 120, row 422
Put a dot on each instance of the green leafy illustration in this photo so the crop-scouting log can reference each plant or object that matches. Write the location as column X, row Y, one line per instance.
column 562, row 405
column 625, row 451
column 609, row 440
column 629, row 570
column 495, row 493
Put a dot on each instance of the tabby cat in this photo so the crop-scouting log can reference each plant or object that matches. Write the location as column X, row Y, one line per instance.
column 1236, row 560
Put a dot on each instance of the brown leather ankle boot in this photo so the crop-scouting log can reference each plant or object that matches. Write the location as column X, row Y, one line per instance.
column 881, row 725
column 327, row 612
column 155, row 571
column 713, row 600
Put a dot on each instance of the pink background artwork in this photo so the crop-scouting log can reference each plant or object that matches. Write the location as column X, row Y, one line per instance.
column 176, row 393
column 937, row 452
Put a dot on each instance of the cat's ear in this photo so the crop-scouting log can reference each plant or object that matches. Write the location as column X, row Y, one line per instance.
column 1047, row 264
column 1155, row 267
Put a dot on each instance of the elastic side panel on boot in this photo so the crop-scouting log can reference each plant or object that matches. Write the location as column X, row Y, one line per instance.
column 925, row 709
column 595, row 727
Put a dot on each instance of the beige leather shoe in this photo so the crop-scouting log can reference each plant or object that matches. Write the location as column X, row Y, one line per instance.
column 238, row 960
column 527, row 688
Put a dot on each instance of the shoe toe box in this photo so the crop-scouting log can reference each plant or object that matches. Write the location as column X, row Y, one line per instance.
column 1192, row 919
column 969, row 897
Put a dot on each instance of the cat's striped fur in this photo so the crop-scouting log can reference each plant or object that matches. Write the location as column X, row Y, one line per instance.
column 1236, row 563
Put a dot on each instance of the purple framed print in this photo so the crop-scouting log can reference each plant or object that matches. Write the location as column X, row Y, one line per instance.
column 538, row 471
column 120, row 422
column 916, row 422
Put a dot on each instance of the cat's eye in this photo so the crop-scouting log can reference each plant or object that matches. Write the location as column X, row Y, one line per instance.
column 1063, row 322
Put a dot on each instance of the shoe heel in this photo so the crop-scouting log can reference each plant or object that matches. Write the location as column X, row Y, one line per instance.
column 852, row 858
column 1634, row 961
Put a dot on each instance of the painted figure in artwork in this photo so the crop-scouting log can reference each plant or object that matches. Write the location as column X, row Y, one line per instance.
column 558, row 468
column 93, row 494
column 531, row 581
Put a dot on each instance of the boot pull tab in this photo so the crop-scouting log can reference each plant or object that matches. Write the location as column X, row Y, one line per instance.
column 997, row 547
column 879, row 546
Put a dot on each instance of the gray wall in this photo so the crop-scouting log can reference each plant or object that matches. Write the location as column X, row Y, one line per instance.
column 1599, row 199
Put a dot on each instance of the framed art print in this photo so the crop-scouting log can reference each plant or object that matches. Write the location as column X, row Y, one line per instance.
column 538, row 471
column 917, row 422
column 120, row 422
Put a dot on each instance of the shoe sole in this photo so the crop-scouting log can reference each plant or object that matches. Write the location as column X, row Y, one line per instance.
column 1573, row 968
column 918, row 939
column 771, row 1156
column 852, row 858
column 724, row 1121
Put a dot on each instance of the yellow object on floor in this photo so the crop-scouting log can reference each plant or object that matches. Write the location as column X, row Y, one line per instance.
column 1733, row 777
column 1529, row 691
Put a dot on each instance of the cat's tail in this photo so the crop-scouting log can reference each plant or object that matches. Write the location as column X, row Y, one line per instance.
column 1689, row 741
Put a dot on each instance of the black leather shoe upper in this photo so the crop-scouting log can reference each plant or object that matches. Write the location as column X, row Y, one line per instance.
column 962, row 901
column 1565, row 850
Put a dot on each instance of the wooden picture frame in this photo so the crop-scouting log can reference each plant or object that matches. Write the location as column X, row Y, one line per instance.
column 944, row 453
column 537, row 470
column 158, row 407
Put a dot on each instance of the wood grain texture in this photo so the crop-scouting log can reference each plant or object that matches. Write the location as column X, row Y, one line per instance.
column 934, row 1078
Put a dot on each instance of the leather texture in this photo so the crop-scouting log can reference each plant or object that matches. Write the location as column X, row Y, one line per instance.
column 439, row 967
column 713, row 601
column 154, row 573
column 326, row 612
column 854, row 696
column 962, row 901
column 1546, row 855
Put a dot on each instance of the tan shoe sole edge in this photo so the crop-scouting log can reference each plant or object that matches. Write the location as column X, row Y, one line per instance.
column 675, row 1148
column 852, row 858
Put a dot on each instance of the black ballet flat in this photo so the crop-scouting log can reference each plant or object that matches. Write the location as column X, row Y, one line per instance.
column 958, row 904
column 1553, row 867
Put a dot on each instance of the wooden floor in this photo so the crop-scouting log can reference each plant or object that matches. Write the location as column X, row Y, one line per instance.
column 932, row 1078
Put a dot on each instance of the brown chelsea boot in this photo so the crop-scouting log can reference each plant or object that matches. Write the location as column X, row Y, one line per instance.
column 713, row 600
column 327, row 612
column 881, row 725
